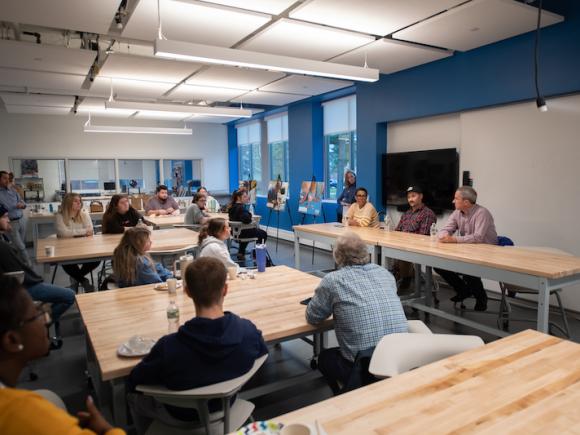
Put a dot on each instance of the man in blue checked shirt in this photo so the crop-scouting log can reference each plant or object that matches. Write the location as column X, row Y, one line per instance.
column 363, row 299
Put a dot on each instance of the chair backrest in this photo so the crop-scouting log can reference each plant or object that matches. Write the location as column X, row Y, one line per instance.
column 401, row 352
column 238, row 227
column 418, row 327
column 96, row 207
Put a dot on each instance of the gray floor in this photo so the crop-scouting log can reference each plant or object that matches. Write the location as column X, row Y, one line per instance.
column 63, row 371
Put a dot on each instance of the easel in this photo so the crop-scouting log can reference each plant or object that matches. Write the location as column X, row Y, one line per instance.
column 277, row 211
column 315, row 216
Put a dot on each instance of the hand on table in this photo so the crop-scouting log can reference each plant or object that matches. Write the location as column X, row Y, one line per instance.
column 447, row 239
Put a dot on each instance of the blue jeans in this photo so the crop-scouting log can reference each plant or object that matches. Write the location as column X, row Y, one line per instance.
column 61, row 298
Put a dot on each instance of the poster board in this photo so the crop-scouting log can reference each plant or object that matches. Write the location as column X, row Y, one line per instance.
column 277, row 195
column 310, row 201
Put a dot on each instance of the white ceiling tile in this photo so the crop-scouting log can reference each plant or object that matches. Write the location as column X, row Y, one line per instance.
column 268, row 98
column 193, row 22
column 38, row 110
column 274, row 7
column 305, row 85
column 128, row 89
column 232, row 77
column 477, row 23
column 38, row 80
column 207, row 93
column 389, row 56
column 169, row 116
column 86, row 15
column 305, row 40
column 13, row 99
column 146, row 68
column 39, row 57
column 377, row 17
column 96, row 106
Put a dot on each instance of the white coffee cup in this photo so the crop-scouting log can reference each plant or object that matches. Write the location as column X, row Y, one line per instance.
column 49, row 251
column 297, row 429
column 233, row 272
column 171, row 285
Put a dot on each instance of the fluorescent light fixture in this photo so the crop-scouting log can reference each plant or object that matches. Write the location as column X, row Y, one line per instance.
column 188, row 51
column 182, row 108
column 133, row 129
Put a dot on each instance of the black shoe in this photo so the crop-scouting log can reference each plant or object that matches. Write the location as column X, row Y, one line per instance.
column 480, row 305
column 55, row 343
column 459, row 298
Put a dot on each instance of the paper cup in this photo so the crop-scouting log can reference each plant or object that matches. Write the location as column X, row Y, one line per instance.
column 297, row 429
column 171, row 285
column 232, row 272
column 49, row 251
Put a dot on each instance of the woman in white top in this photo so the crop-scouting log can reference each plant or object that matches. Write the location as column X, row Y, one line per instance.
column 212, row 239
column 362, row 213
column 73, row 221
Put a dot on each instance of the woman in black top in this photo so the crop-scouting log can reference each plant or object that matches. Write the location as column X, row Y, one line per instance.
column 238, row 212
column 120, row 215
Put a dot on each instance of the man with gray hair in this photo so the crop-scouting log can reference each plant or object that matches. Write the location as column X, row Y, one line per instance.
column 362, row 298
column 474, row 224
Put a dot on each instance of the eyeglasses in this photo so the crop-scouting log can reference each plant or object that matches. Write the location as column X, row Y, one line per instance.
column 44, row 310
column 360, row 195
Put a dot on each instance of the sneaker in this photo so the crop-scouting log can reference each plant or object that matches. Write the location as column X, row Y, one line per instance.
column 480, row 304
column 88, row 286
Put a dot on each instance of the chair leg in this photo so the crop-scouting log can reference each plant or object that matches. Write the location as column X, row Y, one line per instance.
column 226, row 407
column 563, row 314
column 204, row 415
column 54, row 273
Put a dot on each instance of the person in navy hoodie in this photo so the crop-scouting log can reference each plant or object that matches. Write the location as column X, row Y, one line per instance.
column 214, row 346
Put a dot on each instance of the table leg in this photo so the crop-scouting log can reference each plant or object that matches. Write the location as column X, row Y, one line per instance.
column 374, row 255
column 417, row 268
column 543, row 307
column 296, row 250
column 429, row 286
column 119, row 402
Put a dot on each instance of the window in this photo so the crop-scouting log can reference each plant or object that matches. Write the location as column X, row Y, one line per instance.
column 88, row 177
column 339, row 142
column 249, row 151
column 182, row 177
column 144, row 172
column 278, row 146
column 39, row 179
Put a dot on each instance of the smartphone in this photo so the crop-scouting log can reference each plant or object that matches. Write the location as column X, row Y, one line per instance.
column 306, row 301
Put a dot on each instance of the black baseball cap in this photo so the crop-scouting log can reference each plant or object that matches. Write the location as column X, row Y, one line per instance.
column 415, row 188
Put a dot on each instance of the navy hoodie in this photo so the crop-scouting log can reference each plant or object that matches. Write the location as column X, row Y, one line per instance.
column 202, row 352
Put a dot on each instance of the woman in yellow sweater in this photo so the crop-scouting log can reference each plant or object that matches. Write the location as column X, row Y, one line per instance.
column 24, row 337
column 362, row 213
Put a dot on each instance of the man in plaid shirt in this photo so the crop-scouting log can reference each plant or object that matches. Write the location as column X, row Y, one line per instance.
column 418, row 219
column 363, row 300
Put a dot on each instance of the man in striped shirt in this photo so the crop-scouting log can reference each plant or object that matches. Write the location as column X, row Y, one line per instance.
column 363, row 300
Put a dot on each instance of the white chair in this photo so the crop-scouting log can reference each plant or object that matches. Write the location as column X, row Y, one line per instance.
column 230, row 418
column 237, row 228
column 417, row 327
column 401, row 352
column 52, row 397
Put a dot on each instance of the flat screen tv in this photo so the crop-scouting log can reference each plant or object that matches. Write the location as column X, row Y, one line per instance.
column 436, row 171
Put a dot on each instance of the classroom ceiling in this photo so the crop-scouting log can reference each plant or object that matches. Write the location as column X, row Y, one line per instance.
column 68, row 57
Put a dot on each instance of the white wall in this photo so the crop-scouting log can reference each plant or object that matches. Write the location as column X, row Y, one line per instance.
column 524, row 165
column 63, row 137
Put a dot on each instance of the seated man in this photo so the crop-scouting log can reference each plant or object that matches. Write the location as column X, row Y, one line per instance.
column 475, row 225
column 10, row 261
column 212, row 347
column 363, row 300
column 162, row 203
column 418, row 219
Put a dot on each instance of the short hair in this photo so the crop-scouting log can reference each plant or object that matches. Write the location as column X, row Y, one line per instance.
column 4, row 172
column 362, row 189
column 12, row 303
column 350, row 250
column 205, row 278
column 160, row 188
column 468, row 193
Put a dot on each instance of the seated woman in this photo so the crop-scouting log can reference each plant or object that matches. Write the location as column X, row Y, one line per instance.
column 24, row 338
column 212, row 239
column 131, row 263
column 212, row 204
column 120, row 215
column 362, row 213
column 238, row 212
column 196, row 214
column 73, row 221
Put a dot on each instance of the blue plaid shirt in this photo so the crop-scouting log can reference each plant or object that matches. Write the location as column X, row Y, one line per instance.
column 364, row 303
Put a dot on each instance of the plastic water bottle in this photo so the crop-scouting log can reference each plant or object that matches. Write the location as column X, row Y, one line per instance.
column 172, row 317
column 388, row 223
column 433, row 233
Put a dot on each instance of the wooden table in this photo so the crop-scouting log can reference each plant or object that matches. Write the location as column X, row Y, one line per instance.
column 101, row 246
column 271, row 301
column 169, row 221
column 526, row 383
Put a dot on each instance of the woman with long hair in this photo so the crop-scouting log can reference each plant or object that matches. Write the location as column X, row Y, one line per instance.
column 347, row 196
column 238, row 211
column 212, row 238
column 74, row 221
column 119, row 215
column 132, row 264
column 196, row 214
column 24, row 338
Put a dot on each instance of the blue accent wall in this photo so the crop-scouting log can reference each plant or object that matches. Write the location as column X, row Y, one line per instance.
column 496, row 74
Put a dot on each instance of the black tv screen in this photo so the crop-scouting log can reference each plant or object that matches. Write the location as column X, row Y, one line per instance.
column 436, row 171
